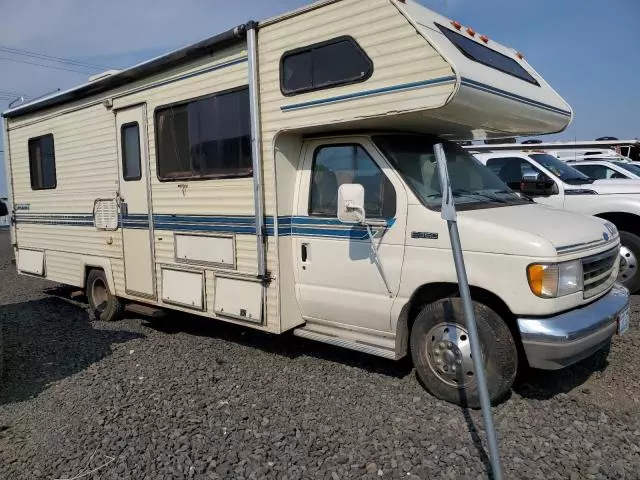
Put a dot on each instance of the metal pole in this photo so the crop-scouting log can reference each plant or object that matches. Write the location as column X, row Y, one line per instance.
column 256, row 144
column 448, row 213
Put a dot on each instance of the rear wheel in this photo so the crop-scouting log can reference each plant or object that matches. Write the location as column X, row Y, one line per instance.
column 441, row 352
column 629, row 257
column 104, row 304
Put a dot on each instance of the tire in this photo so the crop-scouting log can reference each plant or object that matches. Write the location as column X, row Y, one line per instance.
column 629, row 275
column 104, row 305
column 439, row 341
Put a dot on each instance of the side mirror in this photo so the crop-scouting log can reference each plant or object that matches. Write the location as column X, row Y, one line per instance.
column 535, row 185
column 4, row 211
column 351, row 203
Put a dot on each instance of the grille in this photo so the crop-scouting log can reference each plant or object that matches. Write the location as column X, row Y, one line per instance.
column 598, row 271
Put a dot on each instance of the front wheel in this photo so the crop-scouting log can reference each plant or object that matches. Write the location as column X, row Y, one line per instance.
column 441, row 352
column 629, row 257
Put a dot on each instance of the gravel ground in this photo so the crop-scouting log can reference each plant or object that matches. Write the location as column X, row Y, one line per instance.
column 184, row 397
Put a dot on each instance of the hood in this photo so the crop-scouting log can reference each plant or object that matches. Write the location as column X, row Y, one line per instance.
column 533, row 230
column 616, row 186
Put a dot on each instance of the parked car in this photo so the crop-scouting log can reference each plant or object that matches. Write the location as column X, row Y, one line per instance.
column 552, row 182
column 605, row 169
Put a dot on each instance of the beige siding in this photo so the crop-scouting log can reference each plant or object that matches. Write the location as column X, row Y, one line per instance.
column 400, row 56
column 85, row 157
column 64, row 267
column 69, row 239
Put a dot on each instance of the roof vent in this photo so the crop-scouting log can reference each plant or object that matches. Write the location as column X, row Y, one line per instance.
column 100, row 76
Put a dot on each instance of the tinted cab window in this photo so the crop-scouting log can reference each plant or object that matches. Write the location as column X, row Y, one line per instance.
column 599, row 172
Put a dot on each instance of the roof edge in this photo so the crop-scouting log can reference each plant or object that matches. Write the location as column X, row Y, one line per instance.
column 137, row 72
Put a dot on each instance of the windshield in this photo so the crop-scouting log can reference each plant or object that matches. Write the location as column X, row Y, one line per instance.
column 560, row 169
column 629, row 167
column 472, row 183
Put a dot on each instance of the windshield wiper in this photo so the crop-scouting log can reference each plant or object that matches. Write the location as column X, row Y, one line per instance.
column 468, row 193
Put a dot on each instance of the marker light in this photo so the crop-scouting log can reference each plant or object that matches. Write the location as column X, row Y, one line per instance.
column 519, row 55
column 471, row 31
column 555, row 279
column 456, row 25
column 484, row 38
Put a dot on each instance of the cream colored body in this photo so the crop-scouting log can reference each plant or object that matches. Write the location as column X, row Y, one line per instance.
column 420, row 83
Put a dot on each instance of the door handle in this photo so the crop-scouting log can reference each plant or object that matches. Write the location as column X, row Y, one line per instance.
column 304, row 252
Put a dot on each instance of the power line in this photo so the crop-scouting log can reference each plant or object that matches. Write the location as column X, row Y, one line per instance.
column 43, row 65
column 52, row 58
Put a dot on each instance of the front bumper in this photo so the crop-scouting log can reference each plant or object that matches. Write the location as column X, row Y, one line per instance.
column 552, row 343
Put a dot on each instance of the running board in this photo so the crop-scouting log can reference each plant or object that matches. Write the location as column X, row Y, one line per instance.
column 145, row 310
column 344, row 343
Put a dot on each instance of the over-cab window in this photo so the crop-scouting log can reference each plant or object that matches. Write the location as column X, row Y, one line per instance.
column 205, row 138
column 130, row 139
column 487, row 56
column 42, row 163
column 334, row 165
column 339, row 61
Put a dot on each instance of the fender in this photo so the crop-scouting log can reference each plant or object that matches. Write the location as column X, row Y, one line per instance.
column 97, row 262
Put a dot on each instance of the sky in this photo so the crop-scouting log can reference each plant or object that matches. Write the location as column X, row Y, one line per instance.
column 588, row 50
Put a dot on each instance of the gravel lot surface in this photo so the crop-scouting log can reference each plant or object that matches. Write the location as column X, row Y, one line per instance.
column 188, row 398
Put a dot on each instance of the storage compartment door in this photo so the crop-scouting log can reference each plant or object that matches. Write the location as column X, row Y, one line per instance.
column 238, row 299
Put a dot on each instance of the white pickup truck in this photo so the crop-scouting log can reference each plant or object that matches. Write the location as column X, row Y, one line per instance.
column 552, row 182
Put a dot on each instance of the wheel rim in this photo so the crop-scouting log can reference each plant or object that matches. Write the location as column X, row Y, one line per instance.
column 99, row 292
column 449, row 354
column 628, row 265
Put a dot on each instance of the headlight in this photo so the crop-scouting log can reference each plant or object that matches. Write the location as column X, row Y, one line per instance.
column 550, row 280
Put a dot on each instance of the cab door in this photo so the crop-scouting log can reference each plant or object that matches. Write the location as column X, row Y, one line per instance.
column 339, row 278
column 137, row 222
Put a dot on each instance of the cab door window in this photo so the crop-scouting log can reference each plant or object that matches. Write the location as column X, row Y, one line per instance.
column 334, row 165
column 598, row 172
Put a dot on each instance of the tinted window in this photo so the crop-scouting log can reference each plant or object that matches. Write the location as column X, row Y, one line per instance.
column 598, row 172
column 328, row 64
column 42, row 163
column 487, row 56
column 130, row 137
column 205, row 138
column 511, row 170
column 629, row 167
column 560, row 169
column 334, row 165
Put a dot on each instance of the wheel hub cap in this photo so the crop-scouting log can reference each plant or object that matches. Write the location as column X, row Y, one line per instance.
column 449, row 354
column 628, row 265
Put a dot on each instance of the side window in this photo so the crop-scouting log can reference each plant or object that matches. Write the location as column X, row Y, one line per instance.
column 511, row 170
column 42, row 163
column 130, row 139
column 205, row 138
column 339, row 61
column 595, row 172
column 334, row 165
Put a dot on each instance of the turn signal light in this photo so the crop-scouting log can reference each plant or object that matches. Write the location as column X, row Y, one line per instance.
column 456, row 25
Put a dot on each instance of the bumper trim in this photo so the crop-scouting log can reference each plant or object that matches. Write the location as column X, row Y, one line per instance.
column 556, row 342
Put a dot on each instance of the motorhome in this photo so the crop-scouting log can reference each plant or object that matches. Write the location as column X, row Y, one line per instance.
column 281, row 176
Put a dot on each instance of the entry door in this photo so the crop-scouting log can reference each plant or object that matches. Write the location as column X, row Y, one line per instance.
column 137, row 224
column 339, row 280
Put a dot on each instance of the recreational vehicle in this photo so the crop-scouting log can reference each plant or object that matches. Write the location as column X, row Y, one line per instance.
column 281, row 176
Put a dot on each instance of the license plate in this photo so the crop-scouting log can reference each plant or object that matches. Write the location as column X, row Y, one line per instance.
column 623, row 321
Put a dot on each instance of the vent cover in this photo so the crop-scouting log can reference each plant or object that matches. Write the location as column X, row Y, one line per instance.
column 105, row 214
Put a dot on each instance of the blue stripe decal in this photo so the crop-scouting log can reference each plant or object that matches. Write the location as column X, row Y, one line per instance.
column 512, row 96
column 369, row 93
column 240, row 224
